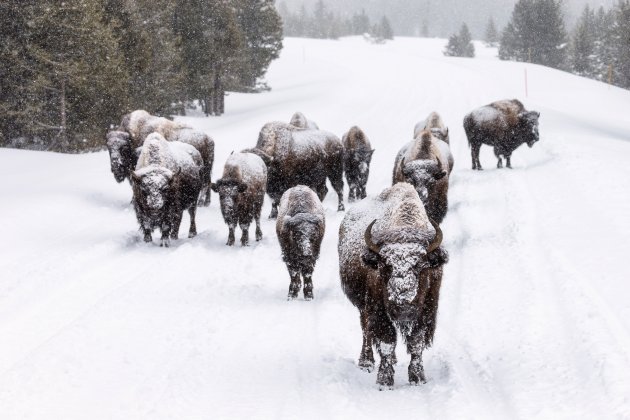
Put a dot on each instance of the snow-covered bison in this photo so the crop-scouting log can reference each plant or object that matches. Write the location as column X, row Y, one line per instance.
column 297, row 156
column 436, row 125
column 426, row 163
column 167, row 181
column 300, row 227
column 299, row 120
column 505, row 125
column 123, row 144
column 390, row 263
column 357, row 155
column 242, row 193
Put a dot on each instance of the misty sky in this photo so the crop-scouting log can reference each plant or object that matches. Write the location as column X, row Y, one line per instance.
column 443, row 16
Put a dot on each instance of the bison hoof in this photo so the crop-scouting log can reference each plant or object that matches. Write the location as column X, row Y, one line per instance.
column 244, row 242
column 165, row 242
column 148, row 238
column 192, row 234
column 308, row 295
column 366, row 365
column 274, row 213
column 341, row 207
column 385, row 377
column 258, row 236
column 416, row 372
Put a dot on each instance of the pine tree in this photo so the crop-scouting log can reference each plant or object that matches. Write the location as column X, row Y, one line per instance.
column 583, row 45
column 492, row 35
column 211, row 40
column 460, row 45
column 535, row 32
column 386, row 29
column 361, row 23
column 80, row 76
column 620, row 30
column 261, row 28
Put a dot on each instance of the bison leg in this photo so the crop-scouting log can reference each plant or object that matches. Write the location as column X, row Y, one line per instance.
column 192, row 231
column 274, row 209
column 296, row 283
column 308, row 284
column 231, row 238
column 245, row 234
column 363, row 193
column 474, row 151
column 384, row 335
column 499, row 162
column 508, row 164
column 165, row 241
column 147, row 235
column 176, row 220
column 259, row 234
column 366, row 359
column 337, row 184
column 416, row 369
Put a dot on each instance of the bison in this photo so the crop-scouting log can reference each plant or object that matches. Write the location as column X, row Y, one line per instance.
column 426, row 163
column 300, row 227
column 297, row 156
column 357, row 155
column 241, row 193
column 390, row 264
column 167, row 181
column 435, row 124
column 136, row 126
column 300, row 121
column 505, row 125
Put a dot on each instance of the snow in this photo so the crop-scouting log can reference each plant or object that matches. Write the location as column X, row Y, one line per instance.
column 534, row 318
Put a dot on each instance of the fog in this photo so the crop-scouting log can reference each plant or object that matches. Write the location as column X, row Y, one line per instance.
column 442, row 17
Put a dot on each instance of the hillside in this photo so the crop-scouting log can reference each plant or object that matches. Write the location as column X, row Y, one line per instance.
column 534, row 317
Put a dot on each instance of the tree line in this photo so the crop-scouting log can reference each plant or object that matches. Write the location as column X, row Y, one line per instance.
column 321, row 22
column 598, row 47
column 69, row 70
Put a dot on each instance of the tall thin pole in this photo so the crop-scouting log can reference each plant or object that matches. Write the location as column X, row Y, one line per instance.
column 526, row 88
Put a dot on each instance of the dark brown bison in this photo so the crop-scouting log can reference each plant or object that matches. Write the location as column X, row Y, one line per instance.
column 167, row 181
column 505, row 125
column 434, row 124
column 425, row 163
column 124, row 142
column 299, row 120
column 300, row 227
column 390, row 263
column 297, row 156
column 242, row 193
column 357, row 155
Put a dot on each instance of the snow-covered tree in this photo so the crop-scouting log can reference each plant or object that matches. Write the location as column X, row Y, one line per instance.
column 491, row 35
column 582, row 52
column 460, row 45
column 535, row 33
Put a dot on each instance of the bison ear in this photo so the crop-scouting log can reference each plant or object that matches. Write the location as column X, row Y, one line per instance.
column 242, row 187
column 437, row 258
column 535, row 114
column 440, row 175
column 370, row 258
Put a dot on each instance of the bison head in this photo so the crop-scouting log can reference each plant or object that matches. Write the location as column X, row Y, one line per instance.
column 440, row 133
column 121, row 154
column 399, row 261
column 528, row 127
column 303, row 229
column 152, row 187
column 230, row 195
column 422, row 174
column 362, row 159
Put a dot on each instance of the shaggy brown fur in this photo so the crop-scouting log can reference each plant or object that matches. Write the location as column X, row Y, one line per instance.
column 164, row 185
column 390, row 264
column 300, row 228
column 425, row 163
column 139, row 124
column 435, row 124
column 296, row 156
column 505, row 125
column 242, row 192
column 299, row 120
column 357, row 155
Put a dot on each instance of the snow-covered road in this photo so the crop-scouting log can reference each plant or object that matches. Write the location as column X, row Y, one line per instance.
column 534, row 317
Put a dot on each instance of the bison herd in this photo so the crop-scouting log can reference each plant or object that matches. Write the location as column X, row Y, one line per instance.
column 390, row 249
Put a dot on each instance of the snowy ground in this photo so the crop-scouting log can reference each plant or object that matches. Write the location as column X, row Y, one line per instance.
column 534, row 316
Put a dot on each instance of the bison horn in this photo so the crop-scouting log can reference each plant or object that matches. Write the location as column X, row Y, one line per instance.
column 437, row 240
column 402, row 167
column 368, row 239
